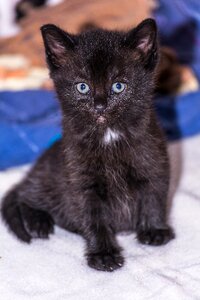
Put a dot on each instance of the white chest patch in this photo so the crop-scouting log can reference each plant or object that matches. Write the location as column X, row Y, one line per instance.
column 110, row 136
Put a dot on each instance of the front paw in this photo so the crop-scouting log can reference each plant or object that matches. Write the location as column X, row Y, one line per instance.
column 103, row 261
column 39, row 224
column 155, row 236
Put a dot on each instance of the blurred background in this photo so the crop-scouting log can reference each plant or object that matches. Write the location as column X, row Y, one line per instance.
column 30, row 116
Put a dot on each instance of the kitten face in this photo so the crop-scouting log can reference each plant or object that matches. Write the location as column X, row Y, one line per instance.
column 102, row 78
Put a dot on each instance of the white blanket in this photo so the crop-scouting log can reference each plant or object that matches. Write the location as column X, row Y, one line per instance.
column 56, row 269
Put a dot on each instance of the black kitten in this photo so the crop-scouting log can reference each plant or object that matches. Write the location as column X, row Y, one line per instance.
column 110, row 171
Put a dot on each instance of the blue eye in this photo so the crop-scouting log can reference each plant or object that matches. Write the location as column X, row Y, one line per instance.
column 118, row 87
column 83, row 88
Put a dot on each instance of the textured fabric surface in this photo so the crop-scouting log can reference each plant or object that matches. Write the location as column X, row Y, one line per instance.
column 56, row 269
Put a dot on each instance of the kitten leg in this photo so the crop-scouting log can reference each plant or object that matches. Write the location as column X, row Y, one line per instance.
column 12, row 216
column 24, row 221
column 152, row 227
column 103, row 251
column 38, row 223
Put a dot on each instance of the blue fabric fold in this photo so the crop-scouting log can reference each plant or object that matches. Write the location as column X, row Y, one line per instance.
column 179, row 116
column 28, row 122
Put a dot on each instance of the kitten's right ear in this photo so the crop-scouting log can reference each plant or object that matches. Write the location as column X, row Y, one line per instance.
column 58, row 45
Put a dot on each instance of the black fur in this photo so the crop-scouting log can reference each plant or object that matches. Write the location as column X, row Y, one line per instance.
column 84, row 183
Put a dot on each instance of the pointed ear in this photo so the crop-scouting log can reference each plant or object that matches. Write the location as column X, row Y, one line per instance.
column 143, row 39
column 58, row 44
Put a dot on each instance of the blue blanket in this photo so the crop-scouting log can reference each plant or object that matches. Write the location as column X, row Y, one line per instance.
column 30, row 122
column 179, row 28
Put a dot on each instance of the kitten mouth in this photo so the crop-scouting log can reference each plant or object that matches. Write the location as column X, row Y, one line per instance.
column 101, row 120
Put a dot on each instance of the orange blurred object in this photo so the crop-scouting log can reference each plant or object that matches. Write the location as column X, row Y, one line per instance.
column 72, row 15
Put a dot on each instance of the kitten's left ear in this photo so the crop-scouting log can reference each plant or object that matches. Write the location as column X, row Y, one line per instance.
column 143, row 39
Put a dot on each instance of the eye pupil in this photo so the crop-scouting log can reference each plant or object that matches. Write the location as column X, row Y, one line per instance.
column 83, row 86
column 118, row 86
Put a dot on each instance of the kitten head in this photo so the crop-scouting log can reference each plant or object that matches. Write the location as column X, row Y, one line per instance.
column 102, row 78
